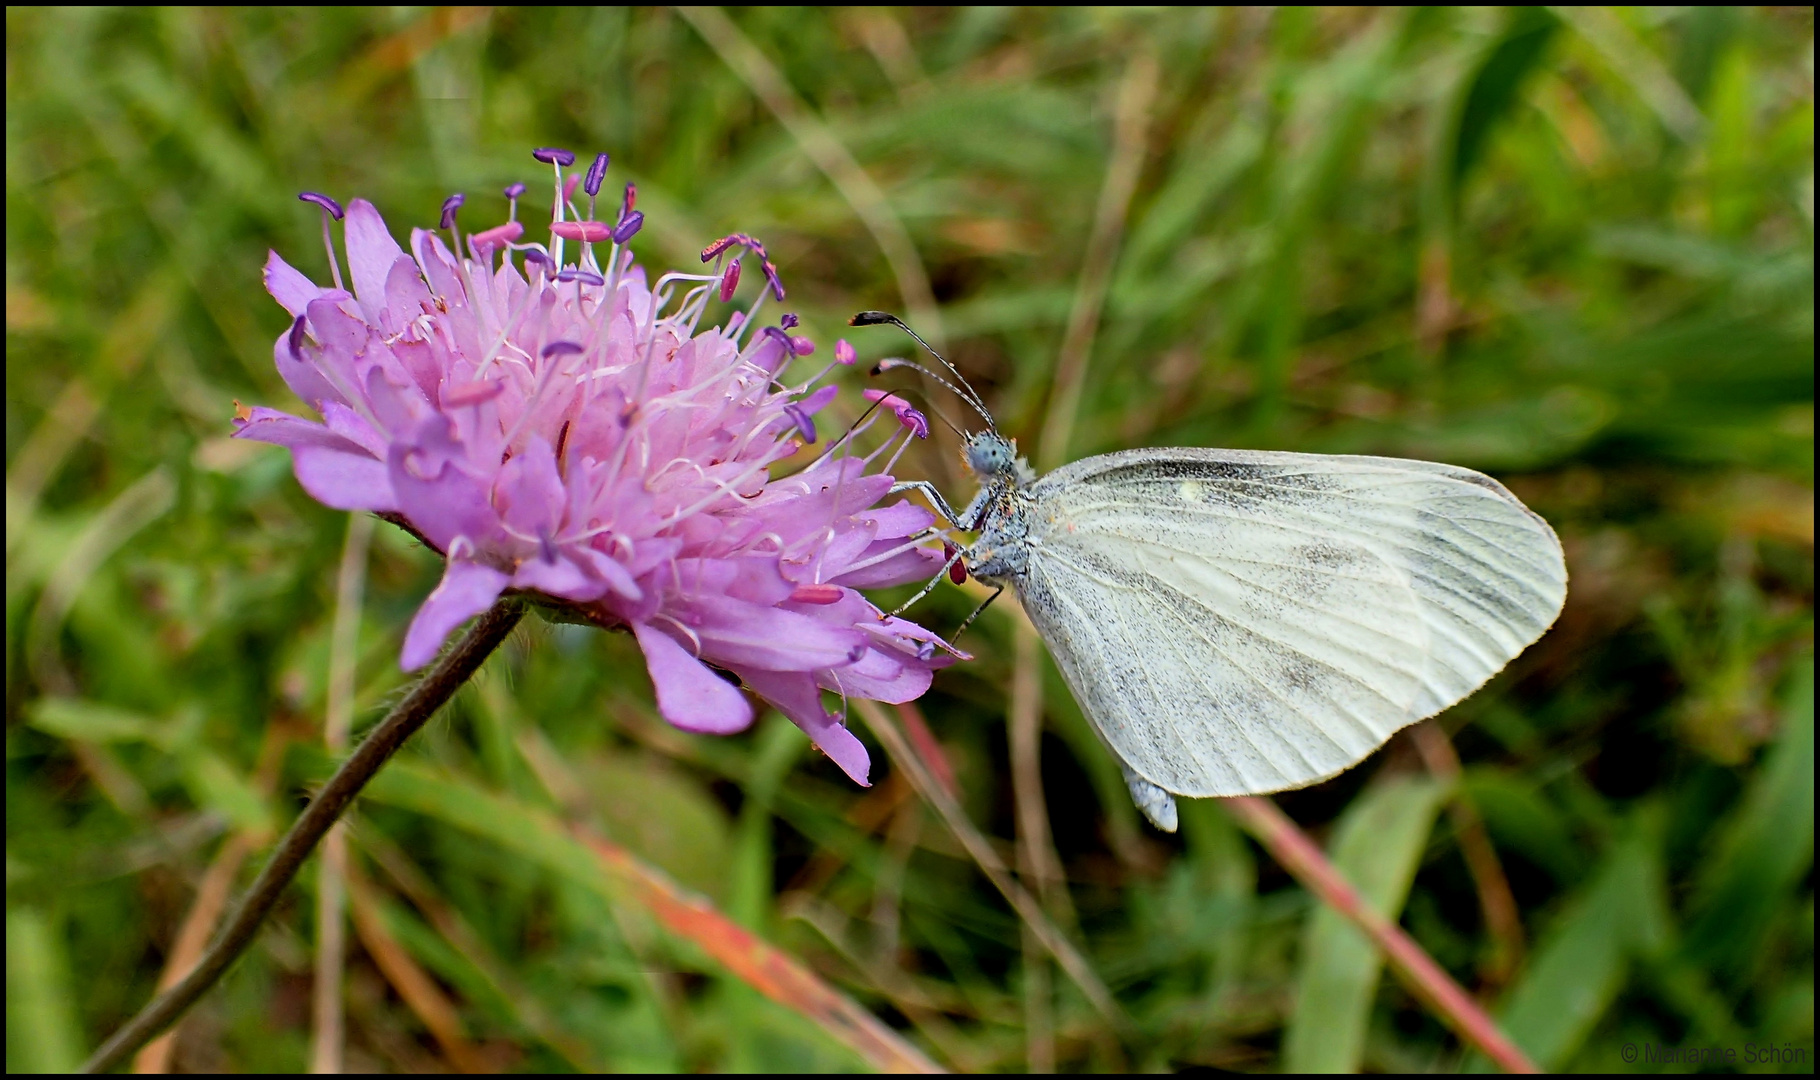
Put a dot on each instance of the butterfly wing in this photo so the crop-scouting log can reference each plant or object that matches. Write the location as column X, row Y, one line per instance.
column 1238, row 622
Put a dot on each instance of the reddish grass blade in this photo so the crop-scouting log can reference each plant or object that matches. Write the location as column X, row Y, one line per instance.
column 1301, row 857
column 760, row 965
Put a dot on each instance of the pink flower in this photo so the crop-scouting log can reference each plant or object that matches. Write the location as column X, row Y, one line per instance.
column 568, row 432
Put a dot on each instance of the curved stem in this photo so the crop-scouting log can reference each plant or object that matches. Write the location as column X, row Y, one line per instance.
column 452, row 670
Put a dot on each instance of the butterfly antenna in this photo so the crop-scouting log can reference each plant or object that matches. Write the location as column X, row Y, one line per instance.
column 877, row 318
column 895, row 362
column 892, row 363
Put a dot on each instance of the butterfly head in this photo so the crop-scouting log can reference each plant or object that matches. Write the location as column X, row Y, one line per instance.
column 993, row 458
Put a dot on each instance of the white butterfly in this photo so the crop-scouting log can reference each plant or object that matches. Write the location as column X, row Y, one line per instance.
column 1236, row 622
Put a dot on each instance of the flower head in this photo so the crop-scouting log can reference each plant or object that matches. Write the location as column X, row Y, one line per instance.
column 557, row 427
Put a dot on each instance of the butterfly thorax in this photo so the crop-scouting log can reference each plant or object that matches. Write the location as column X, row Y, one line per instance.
column 1001, row 555
column 1000, row 512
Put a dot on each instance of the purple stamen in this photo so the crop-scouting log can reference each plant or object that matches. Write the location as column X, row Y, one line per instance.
column 592, row 232
column 724, row 243
column 782, row 339
column 551, row 155
column 777, row 285
column 582, row 276
column 631, row 199
column 804, row 422
column 496, row 236
column 844, row 354
column 907, row 416
column 817, row 594
column 515, row 191
column 628, row 226
column 532, row 255
column 561, row 348
column 729, row 280
column 296, row 340
column 596, row 173
column 802, row 346
column 789, row 321
column 328, row 204
column 449, row 206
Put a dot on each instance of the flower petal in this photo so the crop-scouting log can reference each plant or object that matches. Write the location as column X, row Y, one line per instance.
column 288, row 286
column 618, row 579
column 344, row 342
column 880, row 678
column 738, row 634
column 916, row 564
column 903, row 518
column 397, row 402
column 529, row 491
column 819, row 400
column 467, row 589
column 371, row 253
column 344, row 481
column 797, row 697
column 748, row 577
column 688, row 694
column 302, row 375
column 406, row 296
column 557, row 578
column 283, row 429
column 350, row 425
column 436, row 491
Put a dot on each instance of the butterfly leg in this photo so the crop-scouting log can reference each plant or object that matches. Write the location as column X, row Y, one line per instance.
column 968, row 621
column 933, row 582
column 936, row 499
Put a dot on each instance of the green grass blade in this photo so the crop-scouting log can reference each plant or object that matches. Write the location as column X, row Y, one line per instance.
column 1576, row 973
column 615, row 875
column 42, row 1034
column 1495, row 87
column 1765, row 849
column 1378, row 846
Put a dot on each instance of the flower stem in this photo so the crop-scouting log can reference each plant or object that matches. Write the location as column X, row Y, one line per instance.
column 453, row 669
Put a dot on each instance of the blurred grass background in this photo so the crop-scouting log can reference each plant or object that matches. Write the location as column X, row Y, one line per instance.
column 1573, row 249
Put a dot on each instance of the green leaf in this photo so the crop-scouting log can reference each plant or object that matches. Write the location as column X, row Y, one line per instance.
column 619, row 878
column 1579, row 967
column 91, row 721
column 1766, row 847
column 1495, row 87
column 1519, row 817
column 209, row 779
column 663, row 815
column 749, row 884
column 216, row 785
column 42, row 1035
column 1378, row 846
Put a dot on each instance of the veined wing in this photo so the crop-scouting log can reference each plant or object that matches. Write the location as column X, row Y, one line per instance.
column 1237, row 622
